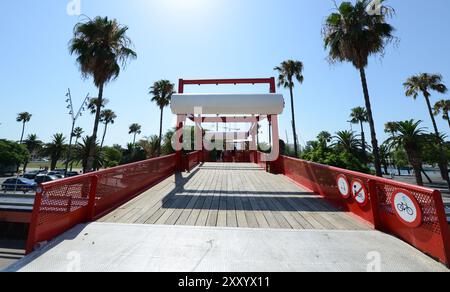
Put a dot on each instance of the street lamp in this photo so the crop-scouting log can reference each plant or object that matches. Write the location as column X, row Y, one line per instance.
column 74, row 117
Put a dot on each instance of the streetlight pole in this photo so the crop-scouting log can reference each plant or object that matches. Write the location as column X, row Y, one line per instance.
column 74, row 120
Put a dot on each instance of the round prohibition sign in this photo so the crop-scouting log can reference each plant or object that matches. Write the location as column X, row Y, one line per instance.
column 359, row 192
column 343, row 186
column 406, row 208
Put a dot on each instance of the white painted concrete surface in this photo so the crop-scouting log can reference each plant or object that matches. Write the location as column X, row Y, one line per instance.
column 118, row 247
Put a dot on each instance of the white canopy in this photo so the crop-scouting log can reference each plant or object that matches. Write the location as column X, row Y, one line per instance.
column 228, row 104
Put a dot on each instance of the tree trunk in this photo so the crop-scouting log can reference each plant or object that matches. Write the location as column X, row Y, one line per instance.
column 91, row 158
column 134, row 139
column 23, row 132
column 71, row 163
column 376, row 153
column 418, row 174
column 294, row 130
column 448, row 121
column 363, row 140
column 104, row 135
column 158, row 153
column 427, row 176
column 443, row 161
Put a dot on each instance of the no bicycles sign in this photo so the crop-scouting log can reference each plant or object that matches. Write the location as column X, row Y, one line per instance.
column 359, row 192
column 406, row 208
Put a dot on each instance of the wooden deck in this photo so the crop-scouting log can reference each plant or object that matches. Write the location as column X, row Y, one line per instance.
column 232, row 195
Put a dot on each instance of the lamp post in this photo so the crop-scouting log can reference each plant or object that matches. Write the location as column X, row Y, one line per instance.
column 74, row 118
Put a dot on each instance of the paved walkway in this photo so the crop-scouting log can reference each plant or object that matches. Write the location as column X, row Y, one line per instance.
column 120, row 247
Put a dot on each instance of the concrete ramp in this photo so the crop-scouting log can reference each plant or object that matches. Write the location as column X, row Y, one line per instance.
column 120, row 247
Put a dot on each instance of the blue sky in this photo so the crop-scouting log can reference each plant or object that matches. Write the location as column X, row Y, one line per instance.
column 211, row 39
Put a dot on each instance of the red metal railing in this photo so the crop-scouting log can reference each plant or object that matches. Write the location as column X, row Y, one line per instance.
column 431, row 236
column 60, row 205
column 193, row 159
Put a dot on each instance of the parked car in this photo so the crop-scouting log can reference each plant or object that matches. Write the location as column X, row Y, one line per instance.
column 72, row 173
column 32, row 174
column 20, row 184
column 56, row 173
column 43, row 178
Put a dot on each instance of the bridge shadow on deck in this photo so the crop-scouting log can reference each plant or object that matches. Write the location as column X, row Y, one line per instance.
column 232, row 195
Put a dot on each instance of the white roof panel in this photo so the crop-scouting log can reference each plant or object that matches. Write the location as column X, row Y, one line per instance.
column 228, row 104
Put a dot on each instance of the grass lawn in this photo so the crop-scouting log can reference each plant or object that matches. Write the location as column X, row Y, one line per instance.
column 59, row 165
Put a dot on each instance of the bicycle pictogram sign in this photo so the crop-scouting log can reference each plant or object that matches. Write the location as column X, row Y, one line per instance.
column 406, row 208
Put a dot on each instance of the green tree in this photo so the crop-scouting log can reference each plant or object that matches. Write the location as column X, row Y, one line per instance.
column 135, row 129
column 167, row 148
column 359, row 116
column 33, row 145
column 443, row 106
column 352, row 34
column 347, row 141
column 82, row 153
column 77, row 133
column 289, row 71
column 55, row 149
column 113, row 156
column 101, row 46
column 133, row 153
column 150, row 146
column 161, row 93
column 324, row 138
column 423, row 84
column 12, row 154
column 410, row 137
column 107, row 117
column 23, row 118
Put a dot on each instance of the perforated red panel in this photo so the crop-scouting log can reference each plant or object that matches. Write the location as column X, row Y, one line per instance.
column 65, row 203
column 432, row 237
column 193, row 159
column 321, row 179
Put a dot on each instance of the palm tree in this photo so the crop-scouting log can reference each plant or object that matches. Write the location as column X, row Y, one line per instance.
column 107, row 117
column 136, row 130
column 23, row 118
column 347, row 141
column 77, row 133
column 55, row 149
column 410, row 137
column 352, row 34
column 288, row 71
column 443, row 106
column 391, row 128
column 324, row 138
column 150, row 146
column 93, row 104
column 101, row 46
column 425, row 83
column 162, row 92
column 81, row 154
column 33, row 145
column 359, row 116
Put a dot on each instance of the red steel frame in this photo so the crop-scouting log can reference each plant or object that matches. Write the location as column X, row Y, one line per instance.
column 270, row 81
column 181, row 119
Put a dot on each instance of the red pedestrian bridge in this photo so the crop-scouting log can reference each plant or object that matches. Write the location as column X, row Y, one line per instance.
column 250, row 191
